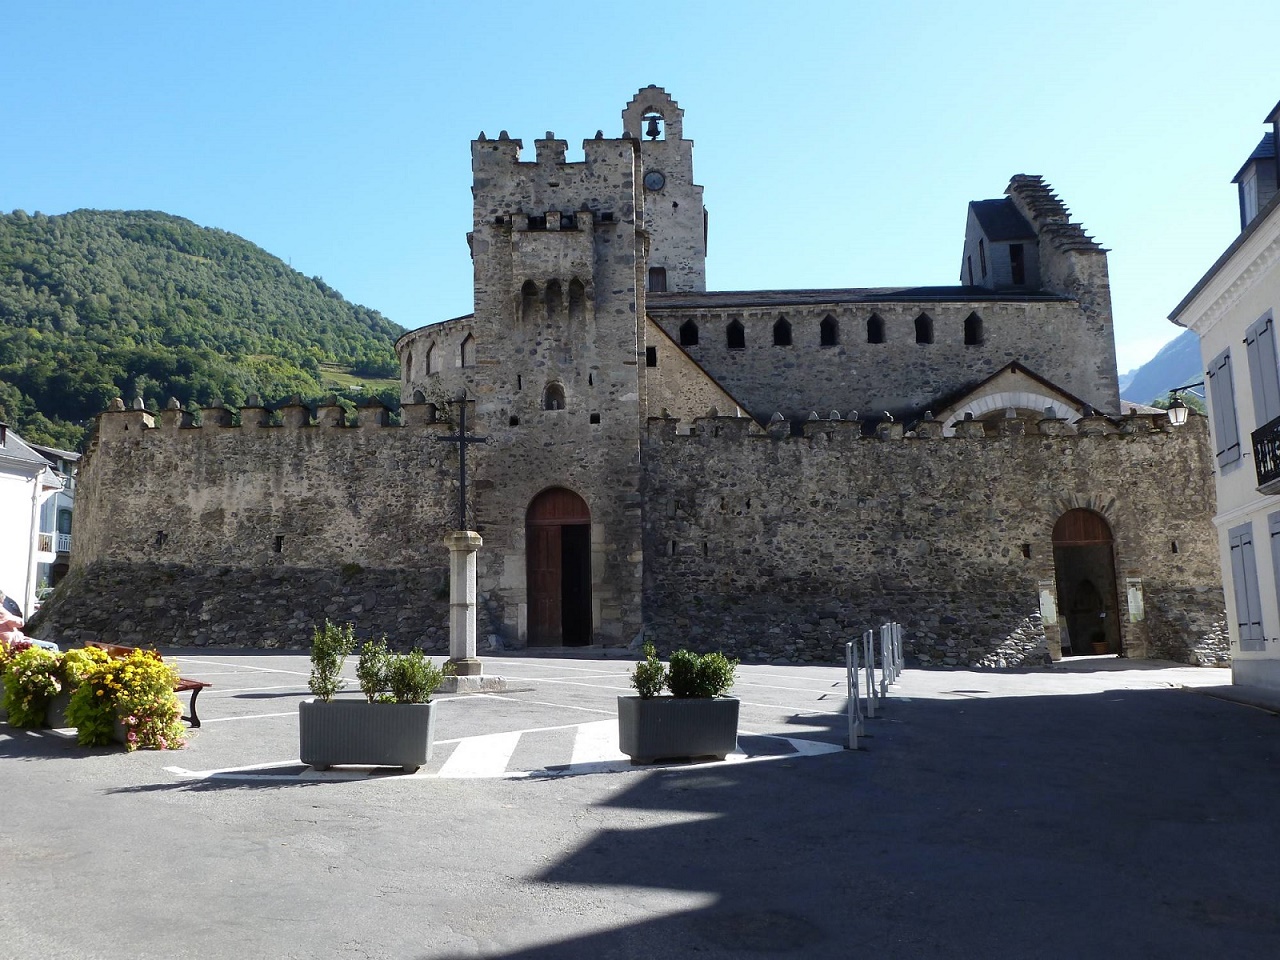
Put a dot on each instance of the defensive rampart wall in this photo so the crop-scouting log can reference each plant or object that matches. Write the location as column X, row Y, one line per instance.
column 772, row 546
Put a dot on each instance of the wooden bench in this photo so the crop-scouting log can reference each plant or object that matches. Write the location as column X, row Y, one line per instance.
column 181, row 685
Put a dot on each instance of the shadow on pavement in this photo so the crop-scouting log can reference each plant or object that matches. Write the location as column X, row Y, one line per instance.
column 1126, row 823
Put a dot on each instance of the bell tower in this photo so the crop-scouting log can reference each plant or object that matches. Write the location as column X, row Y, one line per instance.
column 675, row 221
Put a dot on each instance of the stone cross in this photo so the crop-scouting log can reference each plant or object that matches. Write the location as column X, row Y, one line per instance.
column 463, row 440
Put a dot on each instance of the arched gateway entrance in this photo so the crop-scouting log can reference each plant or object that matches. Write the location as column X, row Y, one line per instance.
column 558, row 534
column 1085, row 567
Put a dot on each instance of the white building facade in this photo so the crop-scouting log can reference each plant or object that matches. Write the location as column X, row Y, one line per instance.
column 1233, row 310
column 28, row 482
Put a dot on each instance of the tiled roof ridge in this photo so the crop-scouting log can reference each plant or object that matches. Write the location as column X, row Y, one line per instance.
column 1050, row 215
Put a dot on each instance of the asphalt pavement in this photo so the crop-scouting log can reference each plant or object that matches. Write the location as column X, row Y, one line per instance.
column 1101, row 808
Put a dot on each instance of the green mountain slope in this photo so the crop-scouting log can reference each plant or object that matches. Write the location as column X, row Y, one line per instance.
column 97, row 304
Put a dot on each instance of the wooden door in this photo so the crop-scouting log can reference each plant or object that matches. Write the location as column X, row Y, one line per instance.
column 544, row 585
column 558, row 517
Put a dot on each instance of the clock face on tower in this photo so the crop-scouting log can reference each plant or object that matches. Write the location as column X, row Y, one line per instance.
column 654, row 180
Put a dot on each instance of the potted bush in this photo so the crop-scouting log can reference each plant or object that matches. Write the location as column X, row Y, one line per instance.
column 393, row 726
column 32, row 678
column 697, row 720
column 126, row 699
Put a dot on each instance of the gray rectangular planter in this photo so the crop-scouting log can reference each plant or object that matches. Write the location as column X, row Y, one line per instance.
column 674, row 728
column 369, row 734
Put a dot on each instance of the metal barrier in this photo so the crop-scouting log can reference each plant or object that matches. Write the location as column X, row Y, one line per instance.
column 892, row 661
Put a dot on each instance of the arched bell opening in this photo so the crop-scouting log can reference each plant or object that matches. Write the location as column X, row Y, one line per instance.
column 1085, row 571
column 558, row 565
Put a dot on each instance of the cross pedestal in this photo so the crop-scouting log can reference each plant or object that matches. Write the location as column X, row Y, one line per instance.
column 463, row 545
column 467, row 668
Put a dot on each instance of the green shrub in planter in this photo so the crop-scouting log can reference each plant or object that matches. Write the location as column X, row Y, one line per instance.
column 708, row 675
column 649, row 676
column 373, row 670
column 413, row 678
column 32, row 678
column 330, row 647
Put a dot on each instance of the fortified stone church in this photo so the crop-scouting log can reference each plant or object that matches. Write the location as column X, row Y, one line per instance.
column 766, row 472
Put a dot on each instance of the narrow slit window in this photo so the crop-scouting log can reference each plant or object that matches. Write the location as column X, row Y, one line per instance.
column 735, row 335
column 657, row 279
column 782, row 333
column 1018, row 263
column 972, row 330
column 829, row 331
column 650, row 356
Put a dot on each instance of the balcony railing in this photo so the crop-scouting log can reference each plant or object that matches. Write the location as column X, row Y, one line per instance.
column 44, row 543
column 53, row 542
column 64, row 543
column 1266, row 456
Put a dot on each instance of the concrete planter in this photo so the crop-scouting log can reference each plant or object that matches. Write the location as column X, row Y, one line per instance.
column 369, row 734
column 55, row 714
column 671, row 728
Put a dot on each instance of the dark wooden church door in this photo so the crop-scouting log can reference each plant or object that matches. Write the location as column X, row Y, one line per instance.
column 558, row 534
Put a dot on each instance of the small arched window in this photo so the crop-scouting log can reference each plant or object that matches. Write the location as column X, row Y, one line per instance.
column 782, row 332
column 688, row 334
column 528, row 300
column 924, row 328
column 467, row 352
column 972, row 330
column 419, row 397
column 829, row 331
column 433, row 359
column 657, row 279
column 408, row 365
column 555, row 299
column 735, row 336
column 577, row 299
column 875, row 329
column 553, row 397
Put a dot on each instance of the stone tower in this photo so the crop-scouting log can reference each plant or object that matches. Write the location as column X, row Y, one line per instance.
column 675, row 221
column 553, row 359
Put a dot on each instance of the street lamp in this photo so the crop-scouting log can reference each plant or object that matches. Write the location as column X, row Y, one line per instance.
column 1177, row 410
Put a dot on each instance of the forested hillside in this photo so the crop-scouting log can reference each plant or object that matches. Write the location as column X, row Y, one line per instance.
column 97, row 304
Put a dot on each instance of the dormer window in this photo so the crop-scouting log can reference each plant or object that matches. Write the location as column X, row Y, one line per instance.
column 1018, row 264
column 982, row 257
column 1249, row 195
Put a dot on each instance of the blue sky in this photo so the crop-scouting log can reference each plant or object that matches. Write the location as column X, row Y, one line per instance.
column 839, row 143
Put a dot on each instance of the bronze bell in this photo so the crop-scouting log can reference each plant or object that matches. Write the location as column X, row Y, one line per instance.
column 652, row 131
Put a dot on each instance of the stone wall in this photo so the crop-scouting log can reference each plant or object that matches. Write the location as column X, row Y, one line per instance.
column 1047, row 334
column 252, row 534
column 772, row 546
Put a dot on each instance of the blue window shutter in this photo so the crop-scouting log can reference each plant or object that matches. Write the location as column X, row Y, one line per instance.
column 1244, row 583
column 1264, row 375
column 1222, row 402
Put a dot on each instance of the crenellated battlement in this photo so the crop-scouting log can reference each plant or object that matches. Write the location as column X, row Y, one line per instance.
column 834, row 430
column 174, row 420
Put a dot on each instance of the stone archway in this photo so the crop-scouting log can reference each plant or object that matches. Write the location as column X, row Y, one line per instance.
column 558, row 538
column 1085, row 571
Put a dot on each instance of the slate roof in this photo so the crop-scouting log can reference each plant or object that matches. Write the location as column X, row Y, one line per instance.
column 1001, row 221
column 729, row 299
column 1265, row 150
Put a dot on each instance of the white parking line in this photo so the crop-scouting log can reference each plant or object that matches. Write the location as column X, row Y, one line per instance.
column 483, row 756
column 596, row 742
column 248, row 716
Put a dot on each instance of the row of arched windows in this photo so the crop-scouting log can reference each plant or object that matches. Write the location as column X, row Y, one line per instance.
column 829, row 331
column 433, row 359
column 551, row 301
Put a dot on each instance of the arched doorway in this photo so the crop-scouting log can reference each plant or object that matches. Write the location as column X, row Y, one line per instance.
column 558, row 534
column 1085, row 568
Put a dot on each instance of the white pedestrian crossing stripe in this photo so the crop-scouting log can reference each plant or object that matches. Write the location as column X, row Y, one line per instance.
column 572, row 751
